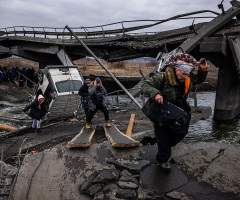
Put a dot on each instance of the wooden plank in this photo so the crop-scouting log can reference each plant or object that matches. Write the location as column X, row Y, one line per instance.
column 83, row 139
column 118, row 139
column 7, row 128
column 130, row 126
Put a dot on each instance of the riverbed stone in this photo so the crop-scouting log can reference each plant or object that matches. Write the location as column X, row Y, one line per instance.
column 131, row 166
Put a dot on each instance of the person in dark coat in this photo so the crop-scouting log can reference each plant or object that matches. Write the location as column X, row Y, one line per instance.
column 173, row 85
column 97, row 102
column 83, row 92
column 37, row 112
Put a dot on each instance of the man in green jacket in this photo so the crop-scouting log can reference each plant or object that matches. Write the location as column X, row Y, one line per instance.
column 173, row 85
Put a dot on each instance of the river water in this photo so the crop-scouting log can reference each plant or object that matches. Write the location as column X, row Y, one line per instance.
column 204, row 130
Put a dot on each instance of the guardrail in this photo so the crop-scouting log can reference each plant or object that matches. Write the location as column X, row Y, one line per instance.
column 59, row 33
column 101, row 32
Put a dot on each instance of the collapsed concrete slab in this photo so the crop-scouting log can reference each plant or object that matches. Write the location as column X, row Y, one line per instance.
column 200, row 171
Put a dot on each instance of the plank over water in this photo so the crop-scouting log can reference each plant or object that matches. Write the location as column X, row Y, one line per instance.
column 83, row 139
column 118, row 139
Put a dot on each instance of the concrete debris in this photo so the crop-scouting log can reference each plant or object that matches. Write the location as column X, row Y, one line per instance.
column 146, row 194
column 179, row 196
column 213, row 163
column 131, row 166
column 200, row 171
column 126, row 194
column 108, row 175
column 127, row 185
column 8, row 170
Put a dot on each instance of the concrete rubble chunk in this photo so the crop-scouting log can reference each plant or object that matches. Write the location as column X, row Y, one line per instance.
column 131, row 179
column 179, row 196
column 94, row 189
column 213, row 163
column 127, row 185
column 88, row 182
column 126, row 194
column 6, row 181
column 108, row 192
column 131, row 166
column 108, row 174
column 8, row 170
column 146, row 194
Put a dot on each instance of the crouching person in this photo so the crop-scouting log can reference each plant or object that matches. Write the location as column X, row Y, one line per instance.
column 37, row 112
column 97, row 94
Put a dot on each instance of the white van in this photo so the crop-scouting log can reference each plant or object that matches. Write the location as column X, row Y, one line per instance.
column 59, row 85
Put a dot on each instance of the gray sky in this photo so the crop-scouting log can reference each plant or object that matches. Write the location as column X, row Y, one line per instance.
column 77, row 13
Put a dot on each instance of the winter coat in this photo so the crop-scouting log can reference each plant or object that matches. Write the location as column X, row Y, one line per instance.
column 166, row 83
column 92, row 93
column 83, row 91
column 35, row 112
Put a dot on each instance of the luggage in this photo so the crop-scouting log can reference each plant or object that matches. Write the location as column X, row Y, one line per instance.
column 171, row 117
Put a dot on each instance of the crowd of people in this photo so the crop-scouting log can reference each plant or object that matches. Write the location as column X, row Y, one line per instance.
column 13, row 74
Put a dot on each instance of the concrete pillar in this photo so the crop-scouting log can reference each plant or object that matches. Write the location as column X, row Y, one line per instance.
column 227, row 103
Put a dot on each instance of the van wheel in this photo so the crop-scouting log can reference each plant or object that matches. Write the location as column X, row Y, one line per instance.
column 40, row 77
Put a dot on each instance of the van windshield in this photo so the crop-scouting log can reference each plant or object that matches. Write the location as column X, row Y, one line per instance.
column 68, row 85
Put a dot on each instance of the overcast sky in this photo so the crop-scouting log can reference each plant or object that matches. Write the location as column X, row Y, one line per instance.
column 78, row 13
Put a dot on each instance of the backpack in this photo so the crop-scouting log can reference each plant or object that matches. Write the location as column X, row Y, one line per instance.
column 98, row 96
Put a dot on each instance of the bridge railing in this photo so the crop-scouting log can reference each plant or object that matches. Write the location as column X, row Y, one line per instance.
column 102, row 31
column 60, row 33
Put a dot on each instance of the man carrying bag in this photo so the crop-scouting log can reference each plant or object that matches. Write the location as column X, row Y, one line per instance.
column 167, row 106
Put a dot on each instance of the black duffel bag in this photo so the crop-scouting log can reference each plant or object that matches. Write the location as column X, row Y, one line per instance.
column 169, row 116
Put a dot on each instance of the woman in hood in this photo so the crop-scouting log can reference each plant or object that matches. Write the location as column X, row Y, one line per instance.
column 37, row 112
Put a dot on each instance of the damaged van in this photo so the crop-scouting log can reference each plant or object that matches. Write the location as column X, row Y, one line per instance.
column 59, row 85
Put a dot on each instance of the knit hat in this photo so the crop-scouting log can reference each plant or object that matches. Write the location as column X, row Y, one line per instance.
column 98, row 80
column 40, row 97
column 183, row 62
column 87, row 81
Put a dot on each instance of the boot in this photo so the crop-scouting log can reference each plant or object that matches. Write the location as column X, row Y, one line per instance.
column 39, row 130
column 108, row 123
column 88, row 125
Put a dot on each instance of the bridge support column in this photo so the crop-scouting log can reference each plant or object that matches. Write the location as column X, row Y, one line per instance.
column 227, row 103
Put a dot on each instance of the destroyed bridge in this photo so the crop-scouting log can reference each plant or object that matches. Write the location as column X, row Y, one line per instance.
column 217, row 40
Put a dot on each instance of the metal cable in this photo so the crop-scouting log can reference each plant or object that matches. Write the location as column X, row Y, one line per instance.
column 29, row 187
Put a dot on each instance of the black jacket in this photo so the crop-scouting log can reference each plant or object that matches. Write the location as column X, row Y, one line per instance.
column 35, row 112
column 83, row 91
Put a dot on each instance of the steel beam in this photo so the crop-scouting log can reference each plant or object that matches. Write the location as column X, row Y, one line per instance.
column 209, row 28
column 64, row 58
